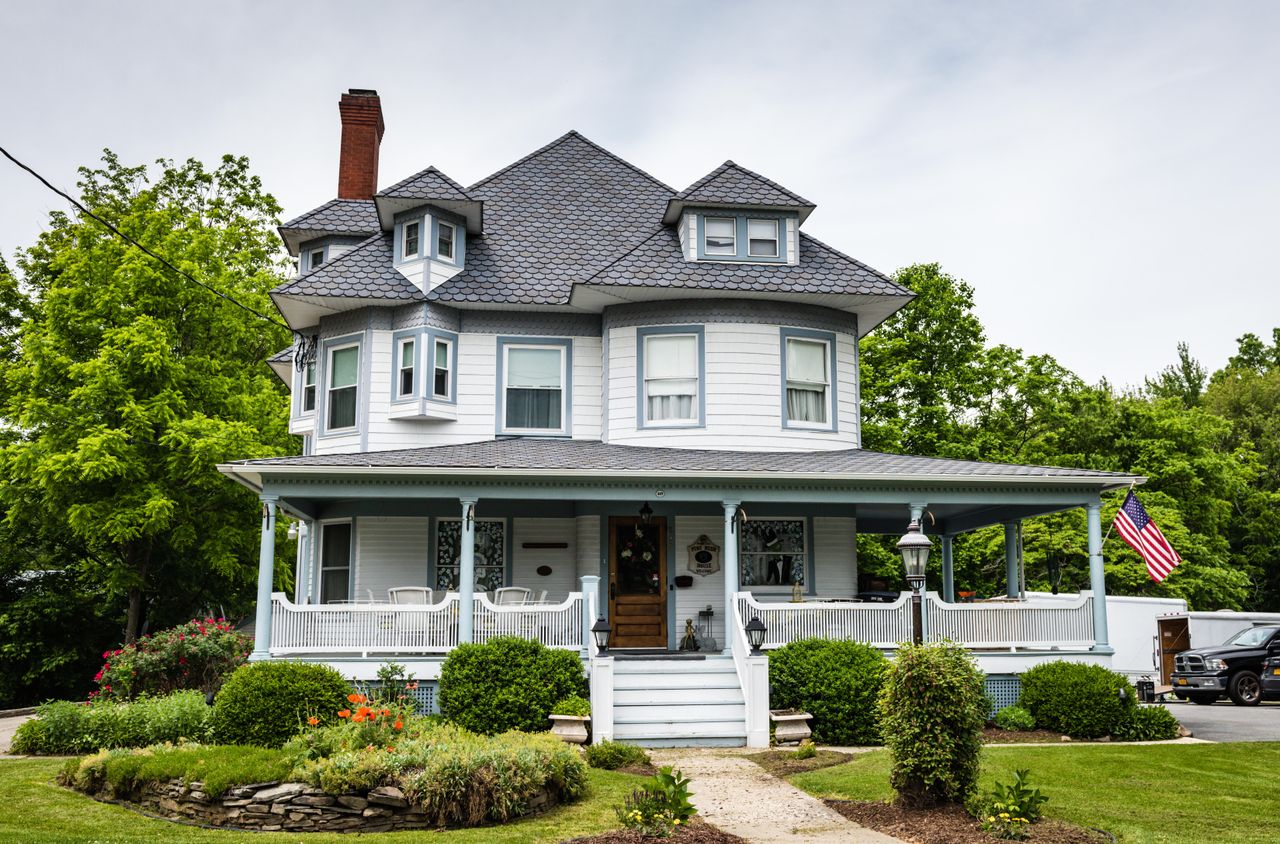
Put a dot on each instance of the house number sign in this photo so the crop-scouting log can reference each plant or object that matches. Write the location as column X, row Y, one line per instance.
column 704, row 556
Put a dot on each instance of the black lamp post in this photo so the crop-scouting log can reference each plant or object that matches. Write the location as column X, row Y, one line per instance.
column 755, row 634
column 600, row 631
column 915, row 547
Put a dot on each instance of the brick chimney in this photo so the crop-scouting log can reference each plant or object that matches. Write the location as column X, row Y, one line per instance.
column 362, row 129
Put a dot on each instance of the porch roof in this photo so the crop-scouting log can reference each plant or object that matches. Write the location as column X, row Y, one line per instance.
column 547, row 457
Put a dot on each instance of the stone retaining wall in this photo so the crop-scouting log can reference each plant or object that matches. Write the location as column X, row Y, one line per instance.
column 289, row 807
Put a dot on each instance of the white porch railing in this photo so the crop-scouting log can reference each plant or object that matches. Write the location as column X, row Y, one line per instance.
column 554, row 625
column 881, row 625
column 1064, row 624
column 753, row 675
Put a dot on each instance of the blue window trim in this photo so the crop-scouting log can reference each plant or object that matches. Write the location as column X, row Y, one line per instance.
column 429, row 369
column 319, row 558
column 396, row 339
column 833, row 406
column 740, row 239
column 299, row 384
column 566, row 417
column 642, row 400
column 322, row 385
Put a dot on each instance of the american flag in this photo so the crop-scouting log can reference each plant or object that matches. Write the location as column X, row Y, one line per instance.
column 1136, row 528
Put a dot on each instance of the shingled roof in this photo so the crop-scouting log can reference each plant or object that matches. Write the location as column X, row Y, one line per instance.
column 366, row 272
column 335, row 217
column 733, row 185
column 428, row 184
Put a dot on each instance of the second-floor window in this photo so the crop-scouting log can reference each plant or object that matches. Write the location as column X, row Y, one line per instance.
column 309, row 388
column 344, row 369
column 670, row 378
column 440, row 369
column 445, row 234
column 405, row 369
column 808, row 381
column 533, row 388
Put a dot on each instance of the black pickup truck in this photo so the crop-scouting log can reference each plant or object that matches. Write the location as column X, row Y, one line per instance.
column 1234, row 669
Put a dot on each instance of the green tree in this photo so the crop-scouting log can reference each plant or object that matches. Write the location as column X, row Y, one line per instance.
column 1184, row 381
column 130, row 383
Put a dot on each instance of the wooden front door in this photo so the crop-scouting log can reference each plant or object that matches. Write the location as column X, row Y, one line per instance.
column 638, row 582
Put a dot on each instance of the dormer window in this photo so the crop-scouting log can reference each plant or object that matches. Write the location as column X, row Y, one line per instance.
column 445, row 234
column 315, row 258
column 410, row 240
column 758, row 238
column 719, row 236
column 762, row 238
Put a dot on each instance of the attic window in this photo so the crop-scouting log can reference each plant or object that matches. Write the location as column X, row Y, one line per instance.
column 315, row 258
column 444, row 241
column 410, row 240
column 719, row 236
column 762, row 238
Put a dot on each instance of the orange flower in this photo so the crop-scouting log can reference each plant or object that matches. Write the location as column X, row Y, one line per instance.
column 390, row 749
column 399, row 725
column 354, row 698
column 344, row 713
column 313, row 720
column 386, row 713
column 357, row 718
column 364, row 712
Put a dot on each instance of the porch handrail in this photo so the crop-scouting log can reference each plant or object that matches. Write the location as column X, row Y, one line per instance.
column 1013, row 624
column 879, row 625
column 554, row 625
column 363, row 628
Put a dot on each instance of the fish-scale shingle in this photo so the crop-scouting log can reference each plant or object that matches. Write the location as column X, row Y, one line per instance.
column 335, row 217
column 427, row 185
column 366, row 272
column 733, row 184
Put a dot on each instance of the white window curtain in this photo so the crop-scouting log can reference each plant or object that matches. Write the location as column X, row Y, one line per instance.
column 671, row 378
column 534, row 388
column 807, row 381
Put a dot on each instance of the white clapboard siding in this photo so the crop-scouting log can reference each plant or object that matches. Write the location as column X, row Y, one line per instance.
column 743, row 394
column 587, row 375
column 587, row 546
column 835, row 557
column 390, row 552
column 561, row 560
column 705, row 590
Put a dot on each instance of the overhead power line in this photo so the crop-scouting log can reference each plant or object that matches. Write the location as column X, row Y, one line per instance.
column 109, row 227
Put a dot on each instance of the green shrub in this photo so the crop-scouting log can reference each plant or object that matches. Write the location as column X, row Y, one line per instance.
column 65, row 727
column 219, row 768
column 1015, row 718
column 1078, row 700
column 835, row 682
column 1009, row 810
column 1148, row 723
column 579, row 707
column 267, row 703
column 195, row 655
column 806, row 750
column 660, row 804
column 611, row 755
column 506, row 684
column 932, row 710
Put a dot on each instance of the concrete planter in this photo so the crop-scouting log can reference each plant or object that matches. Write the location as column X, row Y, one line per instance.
column 789, row 725
column 570, row 728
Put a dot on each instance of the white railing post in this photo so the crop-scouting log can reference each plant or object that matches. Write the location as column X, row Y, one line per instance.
column 590, row 600
column 266, row 574
column 601, row 699
column 467, row 573
column 753, row 673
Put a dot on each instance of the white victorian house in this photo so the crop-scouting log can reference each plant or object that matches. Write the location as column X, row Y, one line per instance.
column 570, row 392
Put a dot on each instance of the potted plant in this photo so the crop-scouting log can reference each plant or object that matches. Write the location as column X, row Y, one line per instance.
column 569, row 719
column 789, row 725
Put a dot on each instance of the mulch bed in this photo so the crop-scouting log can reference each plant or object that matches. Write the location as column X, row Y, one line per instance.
column 782, row 763
column 638, row 770
column 951, row 825
column 697, row 832
column 995, row 735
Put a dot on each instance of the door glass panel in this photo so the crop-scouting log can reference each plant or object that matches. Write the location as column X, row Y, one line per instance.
column 638, row 559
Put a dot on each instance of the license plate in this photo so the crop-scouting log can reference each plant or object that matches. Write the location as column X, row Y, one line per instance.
column 1182, row 681
column 1275, row 671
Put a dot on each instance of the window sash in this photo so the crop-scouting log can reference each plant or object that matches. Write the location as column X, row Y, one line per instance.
column 440, row 370
column 309, row 388
column 533, row 392
column 808, row 381
column 315, row 258
column 344, row 366
column 404, row 387
column 444, row 243
column 671, row 378
column 411, row 236
column 335, row 562
column 723, row 240
column 762, row 238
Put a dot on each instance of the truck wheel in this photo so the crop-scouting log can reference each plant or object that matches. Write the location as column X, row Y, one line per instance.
column 1203, row 700
column 1245, row 690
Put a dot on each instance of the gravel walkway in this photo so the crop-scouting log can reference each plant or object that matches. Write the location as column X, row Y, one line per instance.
column 736, row 795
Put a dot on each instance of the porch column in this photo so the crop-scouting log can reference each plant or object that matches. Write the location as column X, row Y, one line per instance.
column 266, row 570
column 467, row 572
column 1011, row 559
column 1097, row 576
column 730, row 569
column 948, row 571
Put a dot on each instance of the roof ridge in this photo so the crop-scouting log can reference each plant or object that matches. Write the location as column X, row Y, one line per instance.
column 729, row 165
column 888, row 278
column 431, row 168
column 623, row 254
column 572, row 133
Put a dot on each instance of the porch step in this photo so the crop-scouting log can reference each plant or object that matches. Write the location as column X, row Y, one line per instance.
column 662, row 702
column 676, row 695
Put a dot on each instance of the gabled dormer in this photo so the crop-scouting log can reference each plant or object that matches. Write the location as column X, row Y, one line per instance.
column 735, row 215
column 429, row 215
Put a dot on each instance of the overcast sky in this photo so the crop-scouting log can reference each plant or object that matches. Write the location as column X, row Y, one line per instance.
column 1106, row 175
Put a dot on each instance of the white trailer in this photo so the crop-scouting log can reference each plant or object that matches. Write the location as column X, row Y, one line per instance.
column 1184, row 631
column 1131, row 628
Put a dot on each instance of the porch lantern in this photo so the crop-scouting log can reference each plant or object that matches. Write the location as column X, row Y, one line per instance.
column 646, row 514
column 915, row 547
column 600, row 632
column 755, row 634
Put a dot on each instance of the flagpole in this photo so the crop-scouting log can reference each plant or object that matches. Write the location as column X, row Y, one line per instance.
column 1132, row 486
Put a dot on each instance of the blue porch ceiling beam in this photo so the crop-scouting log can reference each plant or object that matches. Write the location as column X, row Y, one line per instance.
column 266, row 570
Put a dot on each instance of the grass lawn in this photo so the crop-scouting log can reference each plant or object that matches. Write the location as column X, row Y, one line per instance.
column 35, row 809
column 1225, row 793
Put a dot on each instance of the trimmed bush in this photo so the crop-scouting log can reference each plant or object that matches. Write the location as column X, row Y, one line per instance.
column 195, row 655
column 1148, row 723
column 835, row 682
column 579, row 707
column 612, row 755
column 507, row 683
column 65, row 727
column 1015, row 718
column 1078, row 700
column 267, row 703
column 932, row 710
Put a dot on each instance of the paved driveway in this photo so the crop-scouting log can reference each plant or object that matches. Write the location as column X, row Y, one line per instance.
column 7, row 726
column 1224, row 721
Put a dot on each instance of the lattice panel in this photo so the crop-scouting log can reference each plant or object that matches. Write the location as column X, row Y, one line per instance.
column 1004, row 691
column 425, row 699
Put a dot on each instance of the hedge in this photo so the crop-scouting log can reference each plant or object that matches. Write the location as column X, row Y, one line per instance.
column 66, row 727
column 507, row 683
column 835, row 682
column 1078, row 700
column 267, row 703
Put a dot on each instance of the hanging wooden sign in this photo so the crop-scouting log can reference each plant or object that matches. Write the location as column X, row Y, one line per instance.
column 704, row 556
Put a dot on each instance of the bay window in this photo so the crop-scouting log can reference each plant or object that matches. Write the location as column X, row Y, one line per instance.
column 309, row 388
column 670, row 368
column 440, row 369
column 405, row 368
column 344, row 370
column 445, row 234
column 807, row 363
